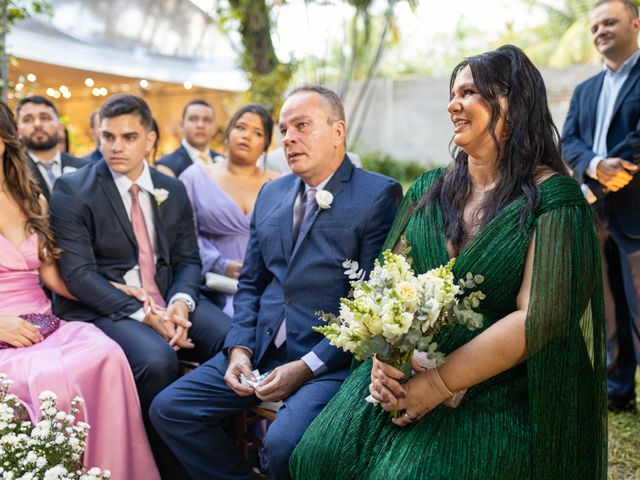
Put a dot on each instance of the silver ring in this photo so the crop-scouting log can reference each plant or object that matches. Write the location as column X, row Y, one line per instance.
column 411, row 419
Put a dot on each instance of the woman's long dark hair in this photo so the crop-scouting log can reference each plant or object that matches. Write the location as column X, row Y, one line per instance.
column 531, row 141
column 22, row 187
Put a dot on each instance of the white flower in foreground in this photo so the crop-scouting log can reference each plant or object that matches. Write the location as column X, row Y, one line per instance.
column 47, row 395
column 55, row 473
column 324, row 199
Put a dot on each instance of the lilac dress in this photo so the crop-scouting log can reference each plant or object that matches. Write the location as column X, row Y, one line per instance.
column 222, row 227
column 77, row 359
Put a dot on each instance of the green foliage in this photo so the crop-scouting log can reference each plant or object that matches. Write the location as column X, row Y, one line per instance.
column 563, row 39
column 268, row 89
column 269, row 77
column 19, row 10
column 16, row 10
column 405, row 172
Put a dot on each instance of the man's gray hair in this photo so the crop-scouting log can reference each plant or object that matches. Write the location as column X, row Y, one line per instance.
column 336, row 110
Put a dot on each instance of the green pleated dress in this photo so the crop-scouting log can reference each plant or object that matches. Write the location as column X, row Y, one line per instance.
column 543, row 419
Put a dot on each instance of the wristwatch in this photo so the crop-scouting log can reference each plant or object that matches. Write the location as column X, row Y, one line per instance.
column 191, row 305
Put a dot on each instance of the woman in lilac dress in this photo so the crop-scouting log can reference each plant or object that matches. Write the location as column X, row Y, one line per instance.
column 223, row 194
column 69, row 358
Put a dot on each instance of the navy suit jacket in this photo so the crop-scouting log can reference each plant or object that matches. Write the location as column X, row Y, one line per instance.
column 623, row 140
column 67, row 161
column 280, row 279
column 92, row 227
column 178, row 160
column 93, row 156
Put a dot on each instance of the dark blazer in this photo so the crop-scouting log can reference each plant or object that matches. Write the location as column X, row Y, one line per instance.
column 623, row 140
column 280, row 279
column 93, row 156
column 91, row 226
column 68, row 162
column 178, row 160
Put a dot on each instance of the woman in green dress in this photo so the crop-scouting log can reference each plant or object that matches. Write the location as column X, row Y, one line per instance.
column 535, row 373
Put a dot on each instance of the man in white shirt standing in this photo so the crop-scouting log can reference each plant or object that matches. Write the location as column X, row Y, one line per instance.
column 123, row 225
column 601, row 143
column 39, row 128
column 198, row 128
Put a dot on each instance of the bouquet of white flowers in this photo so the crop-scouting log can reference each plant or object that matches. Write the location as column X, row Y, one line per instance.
column 49, row 450
column 396, row 312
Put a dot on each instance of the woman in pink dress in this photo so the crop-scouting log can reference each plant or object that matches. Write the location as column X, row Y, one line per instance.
column 76, row 359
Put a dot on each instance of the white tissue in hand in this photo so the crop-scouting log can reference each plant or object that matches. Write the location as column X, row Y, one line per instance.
column 253, row 383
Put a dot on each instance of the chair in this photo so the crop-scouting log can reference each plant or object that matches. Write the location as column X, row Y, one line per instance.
column 245, row 437
column 186, row 366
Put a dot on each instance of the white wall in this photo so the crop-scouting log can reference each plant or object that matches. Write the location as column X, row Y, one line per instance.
column 408, row 119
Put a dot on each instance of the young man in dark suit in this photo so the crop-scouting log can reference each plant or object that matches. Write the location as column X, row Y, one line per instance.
column 304, row 226
column 39, row 128
column 601, row 142
column 123, row 225
column 198, row 128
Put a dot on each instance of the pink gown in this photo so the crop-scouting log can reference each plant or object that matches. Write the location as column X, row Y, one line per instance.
column 77, row 359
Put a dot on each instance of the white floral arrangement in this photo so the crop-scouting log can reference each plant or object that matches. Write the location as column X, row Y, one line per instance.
column 396, row 312
column 49, row 450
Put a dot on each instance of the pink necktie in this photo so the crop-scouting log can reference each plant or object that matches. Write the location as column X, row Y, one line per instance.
column 145, row 250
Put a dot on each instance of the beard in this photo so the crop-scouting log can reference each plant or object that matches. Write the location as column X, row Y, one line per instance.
column 41, row 145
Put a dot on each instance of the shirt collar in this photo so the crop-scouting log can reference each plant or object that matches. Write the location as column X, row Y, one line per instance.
column 57, row 158
column 124, row 184
column 626, row 67
column 193, row 151
column 320, row 186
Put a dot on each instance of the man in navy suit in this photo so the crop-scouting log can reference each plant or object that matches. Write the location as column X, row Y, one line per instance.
column 39, row 128
column 198, row 128
column 292, row 269
column 124, row 226
column 601, row 142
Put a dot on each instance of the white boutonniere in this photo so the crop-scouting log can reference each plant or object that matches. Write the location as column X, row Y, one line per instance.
column 160, row 194
column 68, row 169
column 324, row 199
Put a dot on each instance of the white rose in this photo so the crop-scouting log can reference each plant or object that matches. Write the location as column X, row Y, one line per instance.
column 324, row 199
column 406, row 292
column 160, row 194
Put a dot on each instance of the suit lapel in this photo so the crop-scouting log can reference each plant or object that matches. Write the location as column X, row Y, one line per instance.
column 161, row 237
column 37, row 176
column 335, row 186
column 105, row 180
column 626, row 87
column 286, row 216
column 592, row 106
column 64, row 161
